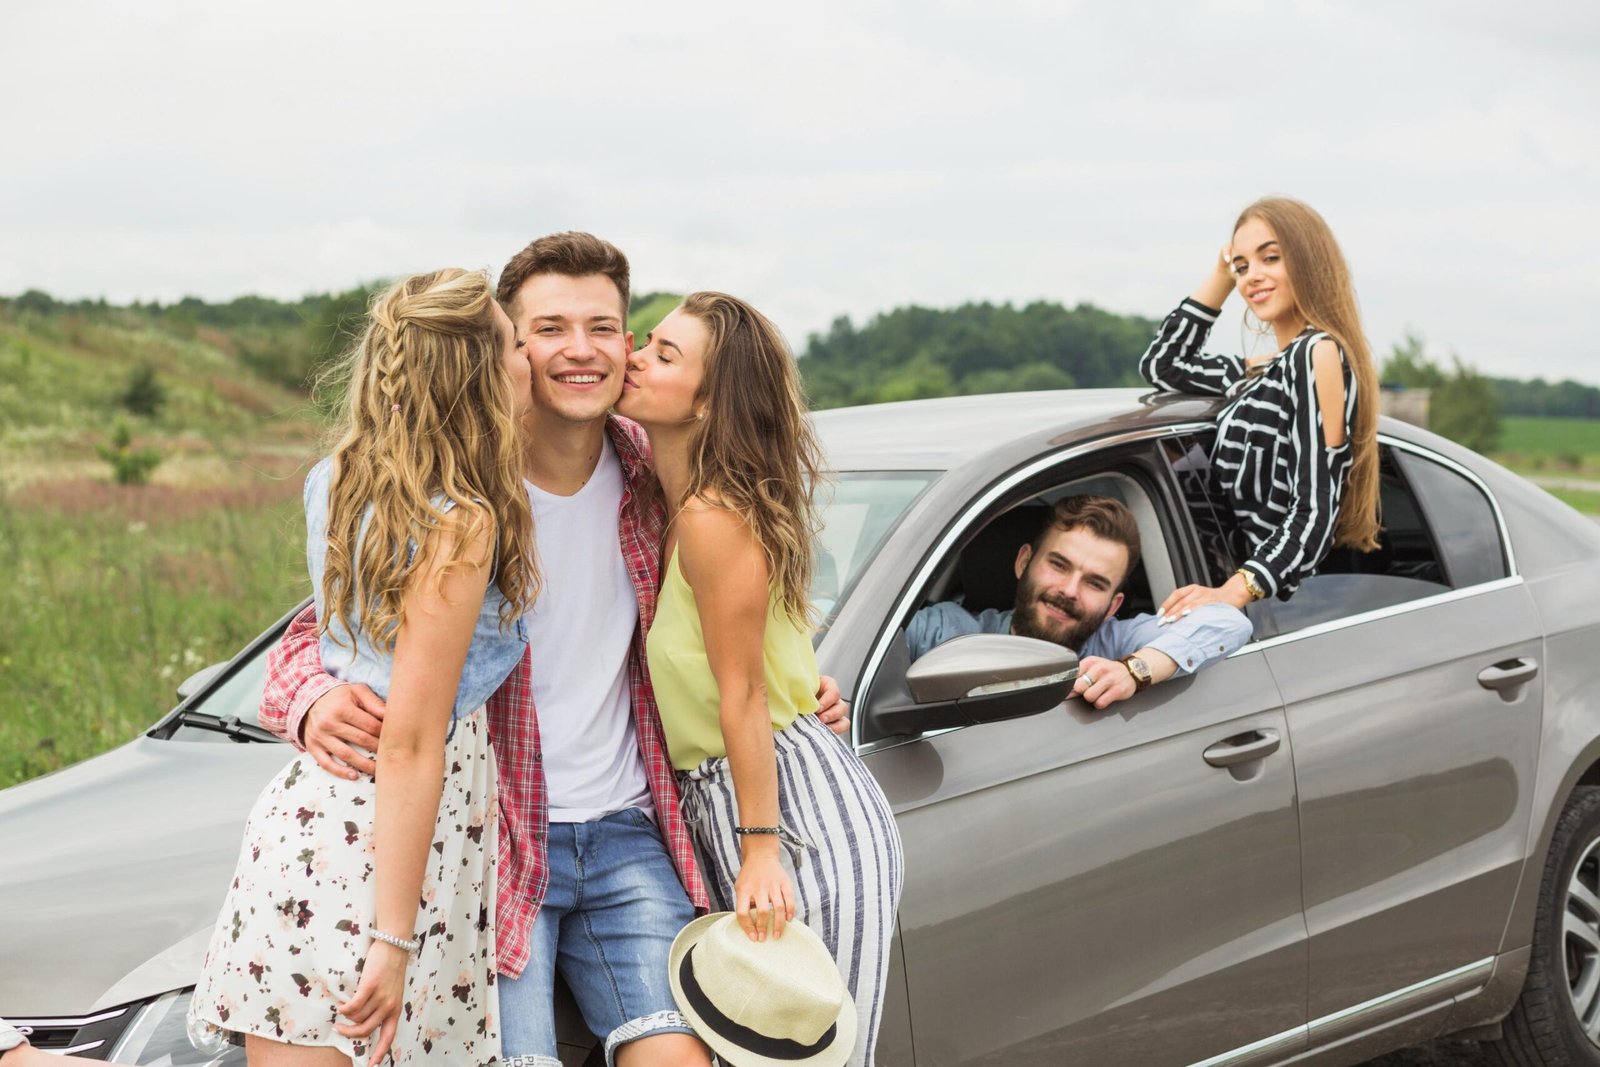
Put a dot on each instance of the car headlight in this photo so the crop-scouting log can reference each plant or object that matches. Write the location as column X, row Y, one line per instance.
column 159, row 1037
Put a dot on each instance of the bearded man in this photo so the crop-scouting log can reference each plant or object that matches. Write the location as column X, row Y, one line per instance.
column 1069, row 582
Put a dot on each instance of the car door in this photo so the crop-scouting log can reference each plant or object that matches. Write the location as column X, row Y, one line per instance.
column 1116, row 887
column 1411, row 679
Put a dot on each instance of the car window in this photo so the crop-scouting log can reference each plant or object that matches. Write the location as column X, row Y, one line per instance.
column 1438, row 533
column 977, row 584
column 859, row 509
column 239, row 696
column 1463, row 520
column 1219, row 538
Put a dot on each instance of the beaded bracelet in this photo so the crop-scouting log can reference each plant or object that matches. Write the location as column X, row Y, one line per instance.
column 758, row 829
column 398, row 942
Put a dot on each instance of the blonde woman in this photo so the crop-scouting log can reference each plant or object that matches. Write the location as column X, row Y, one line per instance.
column 357, row 925
column 1296, row 454
column 787, row 821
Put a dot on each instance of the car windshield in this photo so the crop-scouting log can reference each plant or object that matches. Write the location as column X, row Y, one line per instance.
column 239, row 697
column 859, row 509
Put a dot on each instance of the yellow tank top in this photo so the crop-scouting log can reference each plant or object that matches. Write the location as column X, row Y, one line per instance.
column 686, row 690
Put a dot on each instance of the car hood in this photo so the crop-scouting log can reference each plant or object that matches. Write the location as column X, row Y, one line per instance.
column 112, row 871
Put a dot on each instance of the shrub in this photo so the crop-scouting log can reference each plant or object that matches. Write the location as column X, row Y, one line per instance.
column 129, row 465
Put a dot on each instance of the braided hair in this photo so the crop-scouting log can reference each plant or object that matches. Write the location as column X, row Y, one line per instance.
column 428, row 419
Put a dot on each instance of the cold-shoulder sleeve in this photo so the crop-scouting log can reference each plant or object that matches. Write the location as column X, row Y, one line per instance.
column 1316, row 485
column 1174, row 363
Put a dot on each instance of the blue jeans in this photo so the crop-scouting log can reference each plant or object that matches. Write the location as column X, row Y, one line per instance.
column 606, row 925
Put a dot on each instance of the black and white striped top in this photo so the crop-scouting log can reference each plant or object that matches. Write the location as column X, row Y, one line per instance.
column 1270, row 458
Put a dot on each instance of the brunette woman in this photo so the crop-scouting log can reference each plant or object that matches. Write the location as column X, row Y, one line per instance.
column 788, row 823
column 1296, row 454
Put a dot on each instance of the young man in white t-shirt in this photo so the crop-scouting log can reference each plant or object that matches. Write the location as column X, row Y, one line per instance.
column 597, row 872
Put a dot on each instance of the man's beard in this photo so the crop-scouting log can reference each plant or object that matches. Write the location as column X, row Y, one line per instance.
column 1028, row 617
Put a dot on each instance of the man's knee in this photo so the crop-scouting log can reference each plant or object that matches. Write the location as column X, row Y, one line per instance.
column 663, row 1050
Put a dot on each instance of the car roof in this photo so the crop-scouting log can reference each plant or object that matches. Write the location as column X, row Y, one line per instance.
column 943, row 433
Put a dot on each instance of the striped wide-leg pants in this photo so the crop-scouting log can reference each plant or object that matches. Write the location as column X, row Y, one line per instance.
column 842, row 852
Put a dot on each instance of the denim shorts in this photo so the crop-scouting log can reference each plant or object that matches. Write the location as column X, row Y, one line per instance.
column 606, row 925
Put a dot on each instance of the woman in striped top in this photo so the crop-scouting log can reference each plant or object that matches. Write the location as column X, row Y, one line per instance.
column 1296, row 453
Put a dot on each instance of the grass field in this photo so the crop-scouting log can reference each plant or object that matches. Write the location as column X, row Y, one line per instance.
column 112, row 595
column 116, row 594
column 1550, row 445
column 1562, row 455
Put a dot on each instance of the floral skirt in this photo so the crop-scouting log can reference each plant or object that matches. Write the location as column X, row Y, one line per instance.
column 292, row 934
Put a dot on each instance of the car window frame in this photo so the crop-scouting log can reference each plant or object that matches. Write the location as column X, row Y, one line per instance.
column 1158, row 483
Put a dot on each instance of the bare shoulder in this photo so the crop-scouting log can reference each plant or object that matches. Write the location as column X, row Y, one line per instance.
column 1327, row 368
column 707, row 520
column 1325, row 356
column 713, row 535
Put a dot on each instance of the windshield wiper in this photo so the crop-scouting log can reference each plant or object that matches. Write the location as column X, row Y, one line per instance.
column 240, row 731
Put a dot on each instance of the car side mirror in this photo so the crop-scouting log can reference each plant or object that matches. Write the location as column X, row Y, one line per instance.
column 199, row 680
column 969, row 680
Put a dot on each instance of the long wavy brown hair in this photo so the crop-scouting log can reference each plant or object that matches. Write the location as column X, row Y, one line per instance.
column 755, row 451
column 1327, row 299
column 428, row 418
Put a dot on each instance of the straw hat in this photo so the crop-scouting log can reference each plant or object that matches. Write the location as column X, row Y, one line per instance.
column 773, row 1003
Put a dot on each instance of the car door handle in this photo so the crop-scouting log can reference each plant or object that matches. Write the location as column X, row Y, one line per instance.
column 1242, row 749
column 1508, row 674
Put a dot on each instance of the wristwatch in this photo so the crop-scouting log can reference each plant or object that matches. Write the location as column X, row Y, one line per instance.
column 1140, row 671
column 1251, row 586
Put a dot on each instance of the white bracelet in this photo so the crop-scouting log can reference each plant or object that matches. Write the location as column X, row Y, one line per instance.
column 390, row 939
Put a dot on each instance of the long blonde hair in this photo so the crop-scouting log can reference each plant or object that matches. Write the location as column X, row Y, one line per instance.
column 755, row 450
column 428, row 415
column 1326, row 297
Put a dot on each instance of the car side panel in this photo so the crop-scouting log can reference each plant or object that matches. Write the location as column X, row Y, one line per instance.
column 1416, row 787
column 1559, row 553
column 1084, row 888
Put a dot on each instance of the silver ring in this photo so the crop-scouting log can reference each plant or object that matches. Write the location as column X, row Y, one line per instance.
column 1089, row 679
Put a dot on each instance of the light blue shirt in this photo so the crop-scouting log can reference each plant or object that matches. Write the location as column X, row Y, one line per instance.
column 490, row 658
column 1207, row 633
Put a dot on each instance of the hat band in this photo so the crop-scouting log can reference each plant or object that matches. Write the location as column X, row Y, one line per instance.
column 776, row 1048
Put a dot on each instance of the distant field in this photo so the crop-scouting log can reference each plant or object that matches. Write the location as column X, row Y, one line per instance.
column 1584, row 500
column 1550, row 444
column 112, row 595
column 115, row 595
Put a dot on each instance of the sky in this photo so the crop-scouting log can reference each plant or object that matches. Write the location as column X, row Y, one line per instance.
column 822, row 159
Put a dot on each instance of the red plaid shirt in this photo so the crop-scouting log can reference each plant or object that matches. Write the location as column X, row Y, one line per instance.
column 295, row 681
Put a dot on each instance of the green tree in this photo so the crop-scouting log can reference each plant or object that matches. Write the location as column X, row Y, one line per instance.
column 1463, row 408
column 1461, row 403
column 144, row 394
column 35, row 301
column 1408, row 367
column 646, row 312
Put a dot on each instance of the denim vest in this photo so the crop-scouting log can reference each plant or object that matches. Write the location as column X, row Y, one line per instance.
column 490, row 658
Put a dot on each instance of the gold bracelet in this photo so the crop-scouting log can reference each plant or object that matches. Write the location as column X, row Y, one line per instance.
column 1251, row 586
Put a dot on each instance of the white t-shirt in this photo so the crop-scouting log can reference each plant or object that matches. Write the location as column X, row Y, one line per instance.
column 580, row 631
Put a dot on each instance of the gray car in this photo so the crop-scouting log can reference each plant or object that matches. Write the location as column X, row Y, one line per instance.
column 1377, row 823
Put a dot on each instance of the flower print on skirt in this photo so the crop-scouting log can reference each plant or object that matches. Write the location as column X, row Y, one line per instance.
column 292, row 935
